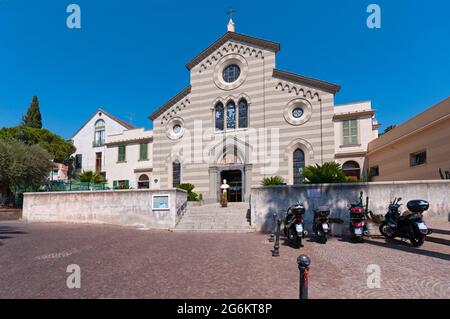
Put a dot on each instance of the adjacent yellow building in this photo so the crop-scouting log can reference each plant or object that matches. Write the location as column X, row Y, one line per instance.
column 418, row 149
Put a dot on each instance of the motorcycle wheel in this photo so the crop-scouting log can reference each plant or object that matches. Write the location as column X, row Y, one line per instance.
column 417, row 240
column 384, row 230
column 294, row 238
column 323, row 239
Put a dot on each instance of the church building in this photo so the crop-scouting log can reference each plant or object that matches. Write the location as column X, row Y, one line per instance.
column 242, row 119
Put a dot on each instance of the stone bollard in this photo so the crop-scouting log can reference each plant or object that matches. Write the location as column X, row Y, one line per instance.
column 276, row 247
column 303, row 262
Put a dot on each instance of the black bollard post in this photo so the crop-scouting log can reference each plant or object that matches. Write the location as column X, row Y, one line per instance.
column 303, row 262
column 272, row 235
column 276, row 247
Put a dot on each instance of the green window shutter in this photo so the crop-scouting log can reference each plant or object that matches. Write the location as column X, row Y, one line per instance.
column 143, row 154
column 350, row 132
column 127, row 184
column 114, row 184
column 121, row 156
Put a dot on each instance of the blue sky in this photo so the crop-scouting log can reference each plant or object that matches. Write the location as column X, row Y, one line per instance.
column 129, row 56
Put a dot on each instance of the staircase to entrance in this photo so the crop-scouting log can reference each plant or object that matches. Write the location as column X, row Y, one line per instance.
column 214, row 218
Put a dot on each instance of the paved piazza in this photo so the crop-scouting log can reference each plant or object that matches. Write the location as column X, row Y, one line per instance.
column 118, row 262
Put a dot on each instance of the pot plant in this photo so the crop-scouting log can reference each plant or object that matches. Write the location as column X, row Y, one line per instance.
column 223, row 199
column 200, row 198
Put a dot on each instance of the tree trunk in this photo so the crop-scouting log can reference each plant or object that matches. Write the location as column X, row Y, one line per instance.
column 6, row 195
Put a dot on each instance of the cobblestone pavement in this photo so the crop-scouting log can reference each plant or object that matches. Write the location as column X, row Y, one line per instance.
column 119, row 262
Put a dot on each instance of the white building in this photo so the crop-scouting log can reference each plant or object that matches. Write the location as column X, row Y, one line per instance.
column 90, row 141
column 354, row 127
column 129, row 159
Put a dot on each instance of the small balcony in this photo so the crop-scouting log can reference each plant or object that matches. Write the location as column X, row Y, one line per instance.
column 98, row 143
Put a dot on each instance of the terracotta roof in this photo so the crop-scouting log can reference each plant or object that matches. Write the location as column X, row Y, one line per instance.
column 269, row 45
column 122, row 122
column 171, row 102
column 318, row 84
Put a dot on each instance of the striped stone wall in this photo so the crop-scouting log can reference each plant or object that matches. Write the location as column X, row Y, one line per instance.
column 267, row 97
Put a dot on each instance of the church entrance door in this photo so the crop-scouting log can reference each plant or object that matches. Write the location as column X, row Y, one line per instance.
column 234, row 179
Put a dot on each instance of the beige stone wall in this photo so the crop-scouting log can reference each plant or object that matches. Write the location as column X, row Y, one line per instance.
column 267, row 97
column 114, row 207
column 428, row 131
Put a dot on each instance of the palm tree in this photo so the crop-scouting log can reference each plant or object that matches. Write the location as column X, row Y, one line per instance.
column 329, row 172
column 91, row 177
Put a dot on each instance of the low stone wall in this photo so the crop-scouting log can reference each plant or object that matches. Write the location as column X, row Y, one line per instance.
column 265, row 201
column 10, row 214
column 116, row 207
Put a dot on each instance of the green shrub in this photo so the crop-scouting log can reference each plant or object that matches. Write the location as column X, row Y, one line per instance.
column 186, row 186
column 329, row 172
column 91, row 177
column 192, row 196
column 272, row 180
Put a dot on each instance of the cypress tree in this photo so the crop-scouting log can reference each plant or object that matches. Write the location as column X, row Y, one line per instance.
column 33, row 117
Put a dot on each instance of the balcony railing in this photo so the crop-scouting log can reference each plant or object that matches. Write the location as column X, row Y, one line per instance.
column 98, row 143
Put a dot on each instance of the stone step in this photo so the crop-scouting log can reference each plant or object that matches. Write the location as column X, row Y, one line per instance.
column 215, row 230
column 213, row 218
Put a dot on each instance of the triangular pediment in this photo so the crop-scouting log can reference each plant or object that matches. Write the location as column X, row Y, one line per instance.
column 229, row 36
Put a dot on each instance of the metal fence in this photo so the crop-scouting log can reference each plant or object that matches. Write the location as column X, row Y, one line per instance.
column 57, row 186
column 71, row 185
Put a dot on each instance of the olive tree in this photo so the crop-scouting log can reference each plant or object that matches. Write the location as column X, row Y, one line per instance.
column 21, row 165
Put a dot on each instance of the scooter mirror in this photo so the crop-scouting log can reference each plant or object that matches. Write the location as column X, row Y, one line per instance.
column 399, row 199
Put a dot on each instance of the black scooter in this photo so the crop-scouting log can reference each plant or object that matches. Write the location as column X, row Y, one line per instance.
column 294, row 228
column 409, row 225
column 321, row 227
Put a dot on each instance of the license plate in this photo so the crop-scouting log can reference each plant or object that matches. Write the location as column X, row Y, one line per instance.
column 358, row 231
column 325, row 226
column 299, row 228
column 422, row 226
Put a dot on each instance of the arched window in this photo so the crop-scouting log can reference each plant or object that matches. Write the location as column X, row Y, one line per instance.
column 243, row 113
column 219, row 116
column 352, row 170
column 231, row 115
column 176, row 173
column 298, row 165
column 144, row 181
column 99, row 138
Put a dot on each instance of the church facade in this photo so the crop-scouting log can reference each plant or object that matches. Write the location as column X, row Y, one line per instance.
column 242, row 119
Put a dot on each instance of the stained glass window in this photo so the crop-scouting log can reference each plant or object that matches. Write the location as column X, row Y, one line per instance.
column 243, row 113
column 299, row 165
column 231, row 115
column 219, row 116
column 231, row 73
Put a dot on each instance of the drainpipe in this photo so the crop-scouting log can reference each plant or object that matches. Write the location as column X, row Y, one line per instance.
column 321, row 133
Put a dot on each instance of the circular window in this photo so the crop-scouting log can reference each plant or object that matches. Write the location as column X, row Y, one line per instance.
column 231, row 73
column 176, row 128
column 297, row 112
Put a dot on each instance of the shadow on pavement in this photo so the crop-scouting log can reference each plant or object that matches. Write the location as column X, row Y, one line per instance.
column 6, row 232
column 396, row 244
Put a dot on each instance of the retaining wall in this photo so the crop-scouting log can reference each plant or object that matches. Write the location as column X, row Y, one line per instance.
column 265, row 201
column 116, row 207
